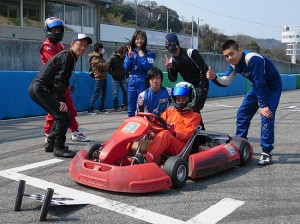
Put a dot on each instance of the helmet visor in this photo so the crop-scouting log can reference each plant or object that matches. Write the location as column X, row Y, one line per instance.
column 181, row 91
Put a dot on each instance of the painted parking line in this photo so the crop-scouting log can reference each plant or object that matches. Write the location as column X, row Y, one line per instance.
column 211, row 215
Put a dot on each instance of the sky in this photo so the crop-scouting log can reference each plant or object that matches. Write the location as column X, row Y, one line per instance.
column 257, row 18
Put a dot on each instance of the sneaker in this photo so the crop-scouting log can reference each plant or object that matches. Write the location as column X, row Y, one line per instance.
column 46, row 137
column 124, row 107
column 265, row 159
column 90, row 111
column 79, row 137
column 139, row 159
column 104, row 111
column 117, row 110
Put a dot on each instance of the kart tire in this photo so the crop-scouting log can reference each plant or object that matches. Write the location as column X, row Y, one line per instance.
column 244, row 149
column 91, row 148
column 176, row 168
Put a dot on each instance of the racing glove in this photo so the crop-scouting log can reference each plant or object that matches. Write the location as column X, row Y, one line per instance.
column 171, row 129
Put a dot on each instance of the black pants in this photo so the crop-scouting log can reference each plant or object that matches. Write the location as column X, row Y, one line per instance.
column 43, row 97
column 201, row 95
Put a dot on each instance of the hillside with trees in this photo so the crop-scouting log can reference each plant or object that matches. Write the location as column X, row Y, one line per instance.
column 152, row 16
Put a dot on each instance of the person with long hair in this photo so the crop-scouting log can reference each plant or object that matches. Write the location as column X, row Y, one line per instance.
column 138, row 61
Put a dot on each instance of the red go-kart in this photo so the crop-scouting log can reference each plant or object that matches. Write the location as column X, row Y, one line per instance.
column 112, row 165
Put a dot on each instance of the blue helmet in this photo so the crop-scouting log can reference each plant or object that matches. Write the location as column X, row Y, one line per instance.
column 54, row 22
column 184, row 89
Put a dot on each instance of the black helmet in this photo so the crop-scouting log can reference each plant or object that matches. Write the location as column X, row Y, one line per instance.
column 184, row 89
column 50, row 23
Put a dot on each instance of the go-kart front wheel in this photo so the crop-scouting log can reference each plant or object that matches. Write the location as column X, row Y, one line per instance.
column 93, row 150
column 244, row 149
column 176, row 168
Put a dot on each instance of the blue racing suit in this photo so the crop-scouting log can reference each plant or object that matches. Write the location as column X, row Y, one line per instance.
column 266, row 91
column 138, row 68
column 155, row 101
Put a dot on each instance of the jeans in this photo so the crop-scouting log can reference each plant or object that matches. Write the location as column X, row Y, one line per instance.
column 100, row 90
column 115, row 87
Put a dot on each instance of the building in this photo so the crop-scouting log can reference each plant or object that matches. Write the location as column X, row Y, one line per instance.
column 23, row 19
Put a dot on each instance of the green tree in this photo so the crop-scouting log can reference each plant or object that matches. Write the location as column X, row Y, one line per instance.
column 253, row 46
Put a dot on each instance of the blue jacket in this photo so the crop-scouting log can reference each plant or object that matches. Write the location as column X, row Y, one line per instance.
column 159, row 101
column 259, row 70
column 139, row 65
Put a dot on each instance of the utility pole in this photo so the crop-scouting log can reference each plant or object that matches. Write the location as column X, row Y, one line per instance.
column 192, row 31
column 167, row 20
column 136, row 13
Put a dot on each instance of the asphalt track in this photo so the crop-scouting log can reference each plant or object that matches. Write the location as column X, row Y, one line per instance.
column 247, row 194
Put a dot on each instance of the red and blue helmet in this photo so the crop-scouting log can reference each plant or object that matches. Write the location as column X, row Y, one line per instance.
column 54, row 22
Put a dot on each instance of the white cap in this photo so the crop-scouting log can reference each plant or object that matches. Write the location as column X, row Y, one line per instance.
column 82, row 36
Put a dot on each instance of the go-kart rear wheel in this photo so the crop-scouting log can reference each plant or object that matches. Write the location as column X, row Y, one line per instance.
column 244, row 149
column 93, row 150
column 176, row 168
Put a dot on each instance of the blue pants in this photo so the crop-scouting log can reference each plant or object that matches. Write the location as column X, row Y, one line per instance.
column 100, row 90
column 136, row 85
column 246, row 112
column 115, row 87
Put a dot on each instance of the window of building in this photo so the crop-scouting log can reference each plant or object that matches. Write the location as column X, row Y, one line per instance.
column 54, row 9
column 10, row 12
column 32, row 13
column 77, row 18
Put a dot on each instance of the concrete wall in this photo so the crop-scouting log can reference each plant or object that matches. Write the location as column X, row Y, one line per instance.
column 23, row 55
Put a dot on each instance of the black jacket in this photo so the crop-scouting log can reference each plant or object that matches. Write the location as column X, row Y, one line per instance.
column 188, row 69
column 56, row 73
column 116, row 68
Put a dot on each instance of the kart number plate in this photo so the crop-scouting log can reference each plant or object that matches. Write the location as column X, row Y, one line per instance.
column 230, row 149
column 131, row 127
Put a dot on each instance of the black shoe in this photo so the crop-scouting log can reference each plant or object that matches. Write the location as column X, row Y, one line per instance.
column 64, row 152
column 103, row 111
column 124, row 107
column 49, row 147
column 117, row 110
column 90, row 111
column 139, row 159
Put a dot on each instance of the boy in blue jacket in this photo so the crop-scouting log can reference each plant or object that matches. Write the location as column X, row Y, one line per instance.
column 264, row 95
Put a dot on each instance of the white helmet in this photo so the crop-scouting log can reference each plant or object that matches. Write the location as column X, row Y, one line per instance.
column 184, row 89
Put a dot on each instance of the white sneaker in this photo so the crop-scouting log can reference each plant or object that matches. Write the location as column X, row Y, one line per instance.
column 46, row 137
column 92, row 113
column 79, row 137
column 265, row 159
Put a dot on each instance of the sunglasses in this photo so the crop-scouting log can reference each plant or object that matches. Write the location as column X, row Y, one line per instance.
column 170, row 45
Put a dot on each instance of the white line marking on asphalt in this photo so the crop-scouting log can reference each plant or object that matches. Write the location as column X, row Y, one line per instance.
column 210, row 216
column 218, row 105
column 216, row 212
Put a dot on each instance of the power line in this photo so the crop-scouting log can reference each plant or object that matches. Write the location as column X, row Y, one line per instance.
column 232, row 17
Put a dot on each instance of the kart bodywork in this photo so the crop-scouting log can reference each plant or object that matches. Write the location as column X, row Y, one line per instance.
column 111, row 165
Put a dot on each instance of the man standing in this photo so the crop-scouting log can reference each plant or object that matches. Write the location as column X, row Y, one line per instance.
column 48, row 90
column 191, row 67
column 264, row 95
column 54, row 31
column 117, row 71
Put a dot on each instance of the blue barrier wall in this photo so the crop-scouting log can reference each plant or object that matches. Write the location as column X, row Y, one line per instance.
column 16, row 103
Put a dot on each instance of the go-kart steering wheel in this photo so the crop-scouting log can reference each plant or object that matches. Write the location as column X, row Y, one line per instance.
column 158, row 123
